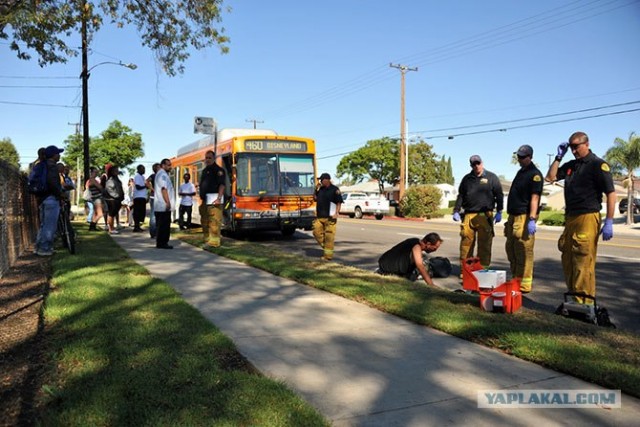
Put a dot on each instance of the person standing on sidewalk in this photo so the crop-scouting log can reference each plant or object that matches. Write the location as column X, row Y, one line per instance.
column 163, row 205
column 151, row 186
column 523, row 206
column 212, row 184
column 50, row 205
column 186, row 193
column 479, row 194
column 139, row 199
column 585, row 180
column 328, row 202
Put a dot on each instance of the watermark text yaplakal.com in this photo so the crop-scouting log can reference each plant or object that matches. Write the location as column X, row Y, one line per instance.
column 549, row 399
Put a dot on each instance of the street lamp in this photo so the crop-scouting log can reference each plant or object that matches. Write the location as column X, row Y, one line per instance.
column 85, row 95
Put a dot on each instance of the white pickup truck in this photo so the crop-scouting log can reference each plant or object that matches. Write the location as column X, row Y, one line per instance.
column 359, row 204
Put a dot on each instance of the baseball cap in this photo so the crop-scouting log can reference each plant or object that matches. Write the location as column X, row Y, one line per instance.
column 52, row 150
column 475, row 158
column 324, row 176
column 524, row 151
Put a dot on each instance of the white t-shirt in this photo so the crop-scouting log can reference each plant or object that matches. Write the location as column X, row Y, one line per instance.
column 139, row 180
column 187, row 187
column 162, row 181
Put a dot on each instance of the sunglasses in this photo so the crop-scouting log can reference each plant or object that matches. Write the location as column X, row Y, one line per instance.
column 575, row 146
column 522, row 157
column 475, row 163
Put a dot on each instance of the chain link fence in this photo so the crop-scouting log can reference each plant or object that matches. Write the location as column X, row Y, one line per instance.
column 19, row 219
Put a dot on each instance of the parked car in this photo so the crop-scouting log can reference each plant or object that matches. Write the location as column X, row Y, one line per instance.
column 359, row 204
column 624, row 204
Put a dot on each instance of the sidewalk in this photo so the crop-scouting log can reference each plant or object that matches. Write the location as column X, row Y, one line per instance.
column 357, row 365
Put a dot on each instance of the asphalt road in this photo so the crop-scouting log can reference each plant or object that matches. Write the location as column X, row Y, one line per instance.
column 359, row 243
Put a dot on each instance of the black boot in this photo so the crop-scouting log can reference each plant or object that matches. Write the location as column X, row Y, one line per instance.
column 92, row 226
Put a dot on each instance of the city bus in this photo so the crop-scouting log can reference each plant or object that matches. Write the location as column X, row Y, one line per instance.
column 271, row 179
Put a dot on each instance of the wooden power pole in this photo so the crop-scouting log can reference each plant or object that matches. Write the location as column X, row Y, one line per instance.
column 403, row 133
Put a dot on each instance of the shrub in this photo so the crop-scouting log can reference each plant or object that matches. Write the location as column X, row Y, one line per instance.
column 422, row 201
column 556, row 218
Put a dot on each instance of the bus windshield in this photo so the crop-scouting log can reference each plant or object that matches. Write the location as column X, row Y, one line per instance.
column 260, row 174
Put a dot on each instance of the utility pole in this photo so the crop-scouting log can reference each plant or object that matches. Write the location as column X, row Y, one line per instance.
column 549, row 159
column 403, row 134
column 85, row 92
column 77, row 125
column 254, row 122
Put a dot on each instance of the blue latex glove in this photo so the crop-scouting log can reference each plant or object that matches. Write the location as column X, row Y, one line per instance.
column 531, row 227
column 607, row 229
column 456, row 216
column 498, row 217
column 562, row 149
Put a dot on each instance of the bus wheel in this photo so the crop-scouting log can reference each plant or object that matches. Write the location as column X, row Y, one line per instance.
column 288, row 231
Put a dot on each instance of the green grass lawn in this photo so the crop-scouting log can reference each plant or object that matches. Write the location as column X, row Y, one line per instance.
column 124, row 348
column 607, row 357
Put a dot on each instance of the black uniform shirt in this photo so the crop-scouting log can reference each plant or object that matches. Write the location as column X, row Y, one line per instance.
column 585, row 180
column 398, row 259
column 528, row 181
column 479, row 193
column 211, row 179
column 324, row 197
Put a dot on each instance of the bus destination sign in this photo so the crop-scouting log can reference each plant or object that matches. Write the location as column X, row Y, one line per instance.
column 274, row 145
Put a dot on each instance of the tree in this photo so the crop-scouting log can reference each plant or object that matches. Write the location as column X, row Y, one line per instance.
column 118, row 145
column 168, row 28
column 378, row 159
column 8, row 152
column 624, row 156
column 423, row 164
column 421, row 201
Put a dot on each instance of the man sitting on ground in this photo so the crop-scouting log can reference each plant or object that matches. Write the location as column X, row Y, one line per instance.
column 406, row 258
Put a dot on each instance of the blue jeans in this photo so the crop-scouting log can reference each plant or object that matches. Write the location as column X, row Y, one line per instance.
column 50, row 209
column 90, row 208
column 152, row 219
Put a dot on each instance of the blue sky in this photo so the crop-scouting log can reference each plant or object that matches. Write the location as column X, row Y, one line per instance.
column 321, row 70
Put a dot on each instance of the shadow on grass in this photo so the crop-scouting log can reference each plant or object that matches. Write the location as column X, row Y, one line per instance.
column 127, row 350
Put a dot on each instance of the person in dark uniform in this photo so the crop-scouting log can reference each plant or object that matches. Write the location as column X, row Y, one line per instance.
column 329, row 200
column 523, row 206
column 478, row 194
column 407, row 256
column 211, row 191
column 585, row 180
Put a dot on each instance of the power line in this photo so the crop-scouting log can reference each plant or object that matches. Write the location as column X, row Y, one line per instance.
column 38, row 77
column 451, row 136
column 38, row 105
column 482, row 41
column 39, row 87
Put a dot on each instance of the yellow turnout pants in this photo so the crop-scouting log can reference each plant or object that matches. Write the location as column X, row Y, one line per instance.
column 211, row 218
column 578, row 244
column 519, row 248
column 476, row 227
column 324, row 230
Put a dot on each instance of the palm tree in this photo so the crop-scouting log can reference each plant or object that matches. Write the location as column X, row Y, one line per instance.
column 625, row 156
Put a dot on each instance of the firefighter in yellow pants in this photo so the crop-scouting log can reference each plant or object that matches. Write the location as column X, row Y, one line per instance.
column 586, row 179
column 324, row 230
column 523, row 206
column 328, row 201
column 578, row 244
column 479, row 193
column 212, row 185
column 211, row 218
column 519, row 248
column 477, row 227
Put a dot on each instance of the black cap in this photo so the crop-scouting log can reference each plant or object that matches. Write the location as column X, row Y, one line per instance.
column 324, row 176
column 51, row 151
column 524, row 151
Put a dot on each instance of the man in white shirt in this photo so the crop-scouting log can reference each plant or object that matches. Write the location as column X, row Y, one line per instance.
column 186, row 193
column 163, row 204
column 139, row 199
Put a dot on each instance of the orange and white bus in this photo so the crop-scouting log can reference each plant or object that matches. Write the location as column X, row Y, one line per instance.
column 271, row 178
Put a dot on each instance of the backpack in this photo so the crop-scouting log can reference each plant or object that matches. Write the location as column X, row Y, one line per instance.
column 37, row 181
column 439, row 267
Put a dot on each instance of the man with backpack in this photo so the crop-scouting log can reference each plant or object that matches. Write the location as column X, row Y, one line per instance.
column 49, row 197
column 407, row 258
